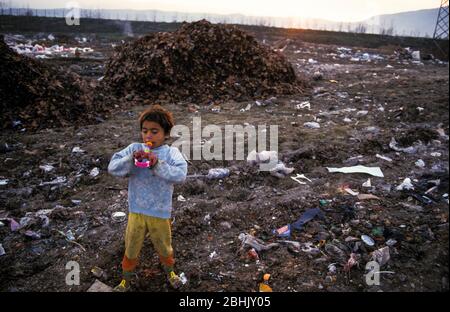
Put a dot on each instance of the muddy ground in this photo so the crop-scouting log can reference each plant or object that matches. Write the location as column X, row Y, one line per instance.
column 360, row 107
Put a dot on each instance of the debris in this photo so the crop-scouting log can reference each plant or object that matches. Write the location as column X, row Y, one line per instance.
column 77, row 149
column 98, row 286
column 394, row 145
column 367, row 196
column 253, row 254
column 97, row 272
column 119, row 216
column 218, row 173
column 302, row 105
column 367, row 183
column 310, row 248
column 183, row 278
column 367, row 240
column 257, row 244
column 212, row 255
column 307, row 216
column 180, row 198
column 280, row 170
column 312, row 125
column 4, row 181
column 2, row 250
column 391, row 242
column 264, row 285
column 350, row 191
column 317, row 76
column 58, row 180
column 351, row 262
column 383, row 157
column 374, row 171
column 94, row 172
column 47, row 168
column 420, row 163
column 381, row 255
column 32, row 234
column 300, row 176
column 406, row 185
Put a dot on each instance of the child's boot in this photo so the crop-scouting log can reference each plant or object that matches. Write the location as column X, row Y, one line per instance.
column 174, row 280
column 125, row 283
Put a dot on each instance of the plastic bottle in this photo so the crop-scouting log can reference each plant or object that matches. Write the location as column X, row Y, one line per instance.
column 264, row 285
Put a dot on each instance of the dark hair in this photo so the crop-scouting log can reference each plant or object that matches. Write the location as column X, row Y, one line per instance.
column 158, row 114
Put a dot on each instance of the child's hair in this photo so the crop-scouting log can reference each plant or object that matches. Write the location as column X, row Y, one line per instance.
column 158, row 114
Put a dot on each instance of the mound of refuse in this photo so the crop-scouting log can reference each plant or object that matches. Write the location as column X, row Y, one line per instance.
column 200, row 62
column 34, row 95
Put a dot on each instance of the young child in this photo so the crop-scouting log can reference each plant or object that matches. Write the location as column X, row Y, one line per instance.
column 150, row 192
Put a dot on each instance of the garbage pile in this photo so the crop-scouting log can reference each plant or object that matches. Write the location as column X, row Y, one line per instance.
column 200, row 62
column 34, row 95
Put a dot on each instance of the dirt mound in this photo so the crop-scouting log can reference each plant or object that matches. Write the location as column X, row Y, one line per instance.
column 200, row 62
column 34, row 95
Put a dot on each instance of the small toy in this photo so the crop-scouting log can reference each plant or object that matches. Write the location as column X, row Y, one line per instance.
column 141, row 161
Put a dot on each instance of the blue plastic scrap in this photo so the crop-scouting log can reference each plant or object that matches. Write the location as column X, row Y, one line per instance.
column 307, row 216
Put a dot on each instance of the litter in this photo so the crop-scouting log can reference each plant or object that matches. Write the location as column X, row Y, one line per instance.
column 4, row 181
column 257, row 244
column 212, row 255
column 367, row 196
column 32, row 234
column 406, row 185
column 13, row 225
column 280, row 170
column 94, row 172
column 47, row 168
column 350, row 191
column 180, row 198
column 367, row 183
column 367, row 240
column 310, row 248
column 300, row 176
column 252, row 254
column 383, row 157
column 381, row 255
column 98, row 286
column 183, row 278
column 293, row 246
column 58, row 180
column 307, row 216
column 394, row 145
column 119, row 216
column 374, row 171
column 97, row 272
column 2, row 250
column 351, row 262
column 302, row 105
column 420, row 163
column 264, row 285
column 77, row 149
column 218, row 173
column 312, row 125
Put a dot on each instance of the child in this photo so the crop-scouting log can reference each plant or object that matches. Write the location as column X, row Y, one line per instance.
column 150, row 192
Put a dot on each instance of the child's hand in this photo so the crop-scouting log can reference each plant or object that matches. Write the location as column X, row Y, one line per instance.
column 152, row 158
column 140, row 155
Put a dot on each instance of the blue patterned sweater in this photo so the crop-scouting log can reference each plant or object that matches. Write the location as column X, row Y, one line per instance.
column 150, row 190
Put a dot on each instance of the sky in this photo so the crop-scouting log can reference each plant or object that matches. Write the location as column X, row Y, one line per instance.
column 335, row 10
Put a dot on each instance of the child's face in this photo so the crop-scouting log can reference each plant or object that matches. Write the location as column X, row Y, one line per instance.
column 153, row 132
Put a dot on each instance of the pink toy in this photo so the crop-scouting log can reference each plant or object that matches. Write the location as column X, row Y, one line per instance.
column 145, row 163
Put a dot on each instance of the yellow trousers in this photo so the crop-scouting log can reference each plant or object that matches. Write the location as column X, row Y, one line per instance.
column 159, row 230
